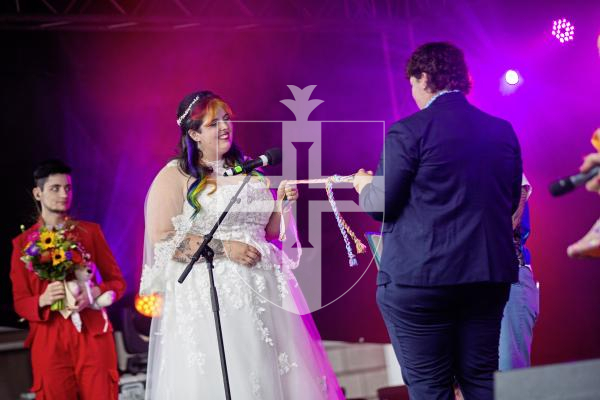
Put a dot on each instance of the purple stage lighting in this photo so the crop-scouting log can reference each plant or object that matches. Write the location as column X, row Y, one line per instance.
column 511, row 77
column 563, row 30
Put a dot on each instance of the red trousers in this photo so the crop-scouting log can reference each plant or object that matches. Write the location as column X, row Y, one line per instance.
column 68, row 365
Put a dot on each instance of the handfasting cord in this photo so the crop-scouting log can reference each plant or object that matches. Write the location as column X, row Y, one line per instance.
column 345, row 229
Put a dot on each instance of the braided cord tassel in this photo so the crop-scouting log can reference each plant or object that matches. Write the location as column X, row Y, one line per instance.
column 360, row 246
column 344, row 228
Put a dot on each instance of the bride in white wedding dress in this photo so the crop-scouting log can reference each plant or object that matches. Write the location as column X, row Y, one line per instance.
column 272, row 353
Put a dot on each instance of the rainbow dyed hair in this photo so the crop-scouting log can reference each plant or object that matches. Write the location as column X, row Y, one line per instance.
column 203, row 109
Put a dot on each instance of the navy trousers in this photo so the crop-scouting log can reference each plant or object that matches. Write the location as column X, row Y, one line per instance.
column 445, row 334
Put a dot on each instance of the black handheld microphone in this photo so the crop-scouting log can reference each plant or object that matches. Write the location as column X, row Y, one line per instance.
column 565, row 185
column 271, row 157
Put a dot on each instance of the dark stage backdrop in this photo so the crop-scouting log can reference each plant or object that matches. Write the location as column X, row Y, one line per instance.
column 105, row 102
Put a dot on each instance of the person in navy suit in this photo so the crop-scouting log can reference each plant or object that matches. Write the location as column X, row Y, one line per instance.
column 447, row 185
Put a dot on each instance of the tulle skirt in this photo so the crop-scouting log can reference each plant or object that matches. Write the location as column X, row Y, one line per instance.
column 271, row 353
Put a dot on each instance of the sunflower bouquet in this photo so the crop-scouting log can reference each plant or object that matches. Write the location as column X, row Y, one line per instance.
column 52, row 254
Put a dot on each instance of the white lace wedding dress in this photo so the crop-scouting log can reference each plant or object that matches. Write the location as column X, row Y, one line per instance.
column 272, row 353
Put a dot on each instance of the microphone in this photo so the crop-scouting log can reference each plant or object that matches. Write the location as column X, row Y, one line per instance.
column 271, row 157
column 565, row 185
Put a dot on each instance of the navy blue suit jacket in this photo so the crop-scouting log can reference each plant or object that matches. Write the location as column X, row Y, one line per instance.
column 449, row 180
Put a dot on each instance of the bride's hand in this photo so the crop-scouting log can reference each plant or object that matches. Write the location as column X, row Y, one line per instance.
column 287, row 192
column 241, row 253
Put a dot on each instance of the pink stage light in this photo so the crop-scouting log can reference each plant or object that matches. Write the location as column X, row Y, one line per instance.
column 511, row 77
column 563, row 30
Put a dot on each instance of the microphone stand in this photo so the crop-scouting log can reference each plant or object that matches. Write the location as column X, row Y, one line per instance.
column 205, row 251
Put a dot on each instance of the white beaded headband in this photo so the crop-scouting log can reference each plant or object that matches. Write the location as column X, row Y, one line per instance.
column 187, row 111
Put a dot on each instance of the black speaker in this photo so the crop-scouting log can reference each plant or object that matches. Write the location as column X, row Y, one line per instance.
column 568, row 381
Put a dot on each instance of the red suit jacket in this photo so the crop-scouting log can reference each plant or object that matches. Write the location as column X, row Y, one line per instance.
column 27, row 287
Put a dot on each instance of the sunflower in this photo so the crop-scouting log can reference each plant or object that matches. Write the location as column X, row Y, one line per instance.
column 47, row 240
column 58, row 256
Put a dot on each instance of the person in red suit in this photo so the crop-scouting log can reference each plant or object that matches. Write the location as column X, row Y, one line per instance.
column 66, row 364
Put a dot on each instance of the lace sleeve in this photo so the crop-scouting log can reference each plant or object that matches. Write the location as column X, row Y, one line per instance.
column 164, row 226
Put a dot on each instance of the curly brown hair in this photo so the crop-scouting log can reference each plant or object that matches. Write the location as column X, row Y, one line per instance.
column 443, row 63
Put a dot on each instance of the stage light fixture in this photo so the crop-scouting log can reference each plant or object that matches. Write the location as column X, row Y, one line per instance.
column 511, row 77
column 149, row 306
column 563, row 30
